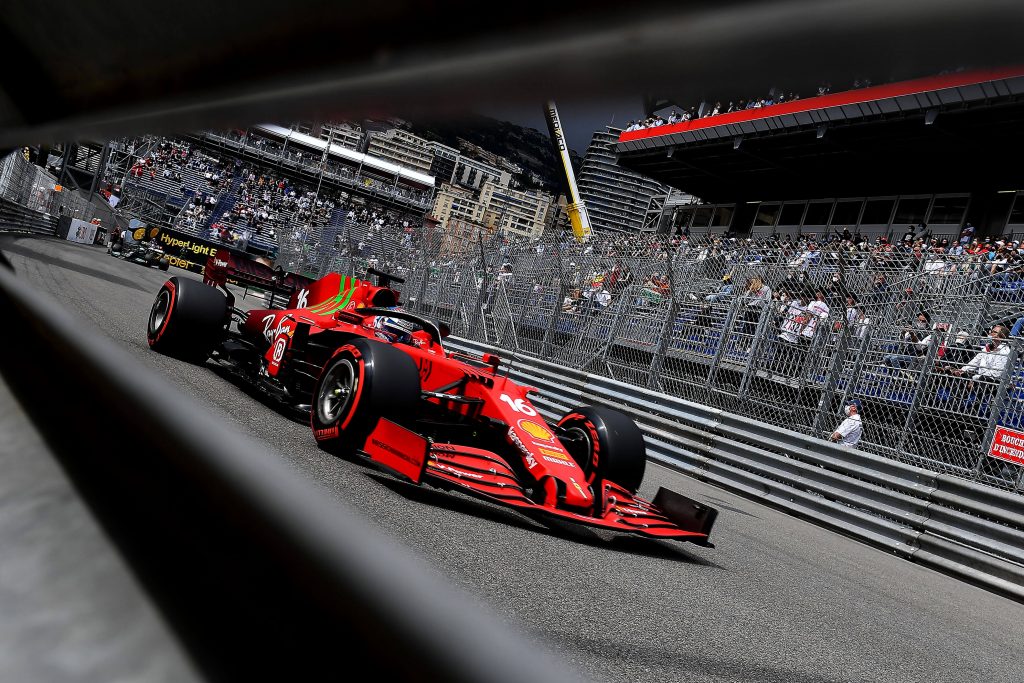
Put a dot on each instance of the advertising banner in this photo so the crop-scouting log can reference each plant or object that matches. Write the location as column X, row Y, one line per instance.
column 188, row 251
column 1008, row 445
column 81, row 232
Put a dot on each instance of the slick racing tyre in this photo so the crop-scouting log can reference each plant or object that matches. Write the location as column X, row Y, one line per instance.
column 363, row 381
column 605, row 444
column 188, row 319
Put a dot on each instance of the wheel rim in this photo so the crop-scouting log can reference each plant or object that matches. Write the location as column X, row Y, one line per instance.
column 580, row 447
column 336, row 392
column 161, row 307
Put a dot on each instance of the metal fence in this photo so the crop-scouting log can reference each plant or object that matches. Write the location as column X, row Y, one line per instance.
column 737, row 325
column 26, row 184
column 783, row 332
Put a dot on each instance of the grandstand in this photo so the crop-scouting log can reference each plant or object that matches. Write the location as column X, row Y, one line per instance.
column 270, row 192
column 159, row 176
column 939, row 151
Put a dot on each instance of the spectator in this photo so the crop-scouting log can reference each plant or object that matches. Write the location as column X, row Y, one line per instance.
column 795, row 317
column 756, row 296
column 723, row 293
column 571, row 302
column 917, row 340
column 602, row 299
column 818, row 312
column 849, row 430
column 956, row 354
column 989, row 364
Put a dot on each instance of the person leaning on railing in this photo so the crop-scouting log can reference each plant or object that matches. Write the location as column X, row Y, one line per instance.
column 987, row 367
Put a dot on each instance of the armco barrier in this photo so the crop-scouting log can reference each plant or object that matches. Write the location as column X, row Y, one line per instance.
column 956, row 526
column 19, row 219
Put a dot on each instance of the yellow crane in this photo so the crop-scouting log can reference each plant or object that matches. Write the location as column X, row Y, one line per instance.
column 578, row 217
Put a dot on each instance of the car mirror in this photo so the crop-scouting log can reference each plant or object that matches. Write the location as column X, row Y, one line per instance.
column 444, row 329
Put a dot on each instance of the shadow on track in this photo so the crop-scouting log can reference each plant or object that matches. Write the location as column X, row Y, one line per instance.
column 253, row 392
column 11, row 246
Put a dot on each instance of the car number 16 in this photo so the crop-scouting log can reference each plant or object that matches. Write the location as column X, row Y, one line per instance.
column 519, row 405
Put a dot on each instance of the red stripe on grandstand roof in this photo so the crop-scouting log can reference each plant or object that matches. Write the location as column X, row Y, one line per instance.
column 872, row 94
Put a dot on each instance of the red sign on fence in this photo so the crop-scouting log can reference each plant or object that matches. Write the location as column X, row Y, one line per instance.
column 1008, row 445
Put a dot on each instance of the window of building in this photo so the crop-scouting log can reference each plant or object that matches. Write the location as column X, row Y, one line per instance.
column 818, row 213
column 702, row 216
column 1017, row 213
column 846, row 213
column 792, row 213
column 949, row 210
column 682, row 217
column 766, row 215
column 723, row 216
column 911, row 211
column 877, row 212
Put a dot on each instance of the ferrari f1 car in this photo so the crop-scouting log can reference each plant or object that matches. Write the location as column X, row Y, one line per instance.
column 377, row 382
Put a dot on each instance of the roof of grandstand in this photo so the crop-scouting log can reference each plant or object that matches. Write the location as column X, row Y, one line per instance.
column 406, row 174
column 947, row 133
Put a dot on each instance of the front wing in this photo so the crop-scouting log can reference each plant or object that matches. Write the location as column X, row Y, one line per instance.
column 485, row 475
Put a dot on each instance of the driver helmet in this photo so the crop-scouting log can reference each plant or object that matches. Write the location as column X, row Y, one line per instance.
column 394, row 330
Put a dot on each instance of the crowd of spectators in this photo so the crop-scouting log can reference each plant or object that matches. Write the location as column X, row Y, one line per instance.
column 843, row 278
column 706, row 109
column 332, row 166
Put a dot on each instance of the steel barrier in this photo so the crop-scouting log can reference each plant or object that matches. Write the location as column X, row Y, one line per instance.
column 973, row 532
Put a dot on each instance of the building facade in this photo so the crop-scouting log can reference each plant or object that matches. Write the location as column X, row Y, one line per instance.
column 515, row 212
column 473, row 173
column 617, row 199
column 343, row 135
column 452, row 202
column 442, row 167
column 401, row 147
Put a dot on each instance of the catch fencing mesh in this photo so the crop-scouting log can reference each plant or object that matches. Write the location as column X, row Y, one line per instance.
column 754, row 327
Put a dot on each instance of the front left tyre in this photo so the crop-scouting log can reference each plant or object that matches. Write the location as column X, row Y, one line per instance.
column 187, row 320
column 363, row 381
column 606, row 444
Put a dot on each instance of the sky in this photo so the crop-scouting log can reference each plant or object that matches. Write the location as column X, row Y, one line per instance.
column 579, row 119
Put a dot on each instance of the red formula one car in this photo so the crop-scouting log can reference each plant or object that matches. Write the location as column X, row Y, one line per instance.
column 378, row 382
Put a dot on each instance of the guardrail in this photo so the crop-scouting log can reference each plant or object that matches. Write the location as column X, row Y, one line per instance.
column 970, row 531
column 19, row 219
column 262, row 575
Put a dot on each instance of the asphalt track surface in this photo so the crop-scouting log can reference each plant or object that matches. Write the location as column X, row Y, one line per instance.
column 779, row 599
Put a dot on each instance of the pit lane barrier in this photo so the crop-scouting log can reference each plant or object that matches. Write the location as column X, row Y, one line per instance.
column 262, row 575
column 972, row 532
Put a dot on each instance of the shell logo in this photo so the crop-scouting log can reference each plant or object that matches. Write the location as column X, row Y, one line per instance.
column 139, row 234
column 554, row 454
column 537, row 431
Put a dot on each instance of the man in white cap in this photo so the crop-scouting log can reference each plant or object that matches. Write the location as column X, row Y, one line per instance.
column 849, row 431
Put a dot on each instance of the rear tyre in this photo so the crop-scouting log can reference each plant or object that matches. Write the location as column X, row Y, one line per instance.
column 363, row 381
column 606, row 444
column 188, row 319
